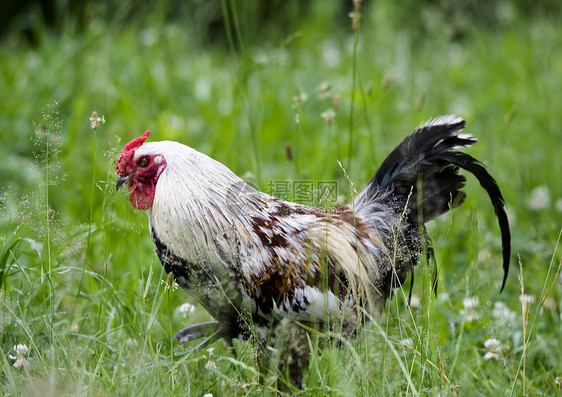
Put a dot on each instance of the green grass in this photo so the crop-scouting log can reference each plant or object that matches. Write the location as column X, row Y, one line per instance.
column 81, row 286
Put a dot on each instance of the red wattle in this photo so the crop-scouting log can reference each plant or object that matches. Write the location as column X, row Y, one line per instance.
column 142, row 195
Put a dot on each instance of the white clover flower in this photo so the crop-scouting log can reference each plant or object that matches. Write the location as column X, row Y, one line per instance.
column 328, row 116
column 187, row 309
column 211, row 365
column 540, row 198
column 207, row 395
column 470, row 304
column 493, row 348
column 95, row 120
column 492, row 344
column 526, row 299
column 20, row 359
column 21, row 349
column 558, row 381
column 502, row 313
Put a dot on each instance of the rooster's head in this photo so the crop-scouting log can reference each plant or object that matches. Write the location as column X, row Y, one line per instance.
column 140, row 170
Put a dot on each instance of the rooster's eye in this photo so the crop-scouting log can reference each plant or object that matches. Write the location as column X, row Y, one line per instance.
column 143, row 162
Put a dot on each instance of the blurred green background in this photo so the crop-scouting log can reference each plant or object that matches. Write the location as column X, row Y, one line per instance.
column 253, row 84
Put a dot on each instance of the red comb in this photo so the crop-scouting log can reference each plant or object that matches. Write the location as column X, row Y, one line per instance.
column 127, row 152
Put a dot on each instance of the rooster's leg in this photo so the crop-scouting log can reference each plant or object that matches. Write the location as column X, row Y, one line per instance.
column 211, row 330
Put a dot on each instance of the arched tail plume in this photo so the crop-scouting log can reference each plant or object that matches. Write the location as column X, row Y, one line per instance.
column 423, row 174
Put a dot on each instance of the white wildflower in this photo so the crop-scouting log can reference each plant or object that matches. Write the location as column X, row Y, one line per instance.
column 540, row 198
column 558, row 381
column 493, row 348
column 407, row 342
column 170, row 283
column 502, row 313
column 492, row 344
column 211, row 365
column 187, row 309
column 74, row 328
column 526, row 299
column 470, row 304
column 328, row 116
column 207, row 395
column 95, row 120
column 20, row 359
column 470, row 315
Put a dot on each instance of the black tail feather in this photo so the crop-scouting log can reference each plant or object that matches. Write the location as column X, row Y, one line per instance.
column 417, row 161
column 429, row 161
column 489, row 184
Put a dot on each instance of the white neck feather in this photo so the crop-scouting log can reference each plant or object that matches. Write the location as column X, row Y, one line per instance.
column 197, row 203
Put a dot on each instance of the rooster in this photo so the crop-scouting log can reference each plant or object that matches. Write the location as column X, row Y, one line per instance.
column 254, row 261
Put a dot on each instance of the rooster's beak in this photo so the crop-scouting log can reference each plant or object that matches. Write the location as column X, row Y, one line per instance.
column 120, row 181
